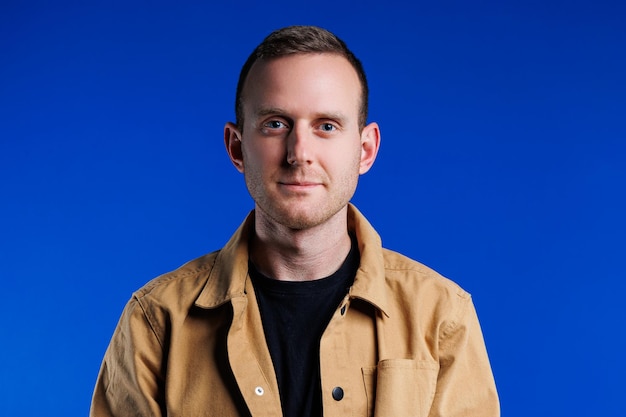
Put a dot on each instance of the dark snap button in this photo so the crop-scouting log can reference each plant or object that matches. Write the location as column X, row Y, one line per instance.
column 337, row 393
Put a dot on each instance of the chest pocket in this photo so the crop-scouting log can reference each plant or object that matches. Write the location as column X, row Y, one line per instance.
column 400, row 387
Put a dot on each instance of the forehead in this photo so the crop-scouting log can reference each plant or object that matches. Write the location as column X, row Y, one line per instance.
column 303, row 80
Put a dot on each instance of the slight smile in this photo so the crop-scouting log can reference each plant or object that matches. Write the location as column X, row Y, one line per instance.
column 299, row 186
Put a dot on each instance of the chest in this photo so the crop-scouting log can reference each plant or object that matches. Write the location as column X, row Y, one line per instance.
column 219, row 364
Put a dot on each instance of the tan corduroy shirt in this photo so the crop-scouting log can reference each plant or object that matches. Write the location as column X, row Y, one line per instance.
column 403, row 342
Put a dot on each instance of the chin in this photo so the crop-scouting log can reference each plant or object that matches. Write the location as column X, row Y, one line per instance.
column 297, row 221
column 304, row 218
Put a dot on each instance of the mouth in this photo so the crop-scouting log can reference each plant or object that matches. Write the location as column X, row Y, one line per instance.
column 299, row 185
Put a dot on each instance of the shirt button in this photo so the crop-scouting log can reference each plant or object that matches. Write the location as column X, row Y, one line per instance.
column 337, row 393
column 343, row 310
column 259, row 391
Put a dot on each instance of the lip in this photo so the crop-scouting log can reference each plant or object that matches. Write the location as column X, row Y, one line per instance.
column 299, row 185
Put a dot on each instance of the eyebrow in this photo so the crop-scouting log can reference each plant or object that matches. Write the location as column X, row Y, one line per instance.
column 266, row 111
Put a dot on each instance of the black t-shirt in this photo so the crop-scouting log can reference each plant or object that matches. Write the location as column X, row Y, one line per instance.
column 294, row 315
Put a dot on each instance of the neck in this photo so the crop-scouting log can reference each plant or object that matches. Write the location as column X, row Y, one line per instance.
column 299, row 255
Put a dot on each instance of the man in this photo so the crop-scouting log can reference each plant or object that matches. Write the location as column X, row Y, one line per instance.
column 302, row 313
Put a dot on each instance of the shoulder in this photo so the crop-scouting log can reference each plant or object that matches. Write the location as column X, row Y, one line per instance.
column 415, row 285
column 179, row 287
column 163, row 303
column 408, row 271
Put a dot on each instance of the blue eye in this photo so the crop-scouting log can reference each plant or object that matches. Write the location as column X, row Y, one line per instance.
column 275, row 124
column 327, row 127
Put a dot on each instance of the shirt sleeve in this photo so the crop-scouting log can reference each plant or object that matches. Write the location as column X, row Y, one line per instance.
column 130, row 381
column 465, row 384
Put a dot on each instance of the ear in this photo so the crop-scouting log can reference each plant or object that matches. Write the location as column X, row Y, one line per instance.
column 232, row 140
column 370, row 142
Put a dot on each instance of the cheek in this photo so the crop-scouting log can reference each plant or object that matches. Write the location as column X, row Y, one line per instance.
column 263, row 154
column 351, row 156
column 344, row 164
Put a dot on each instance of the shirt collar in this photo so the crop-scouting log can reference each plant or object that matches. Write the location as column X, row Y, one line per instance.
column 369, row 282
column 229, row 274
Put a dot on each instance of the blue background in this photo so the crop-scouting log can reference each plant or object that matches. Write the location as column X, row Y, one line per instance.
column 502, row 167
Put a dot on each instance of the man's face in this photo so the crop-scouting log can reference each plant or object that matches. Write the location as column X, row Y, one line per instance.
column 301, row 147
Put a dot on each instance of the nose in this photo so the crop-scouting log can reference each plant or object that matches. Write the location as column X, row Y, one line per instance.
column 298, row 146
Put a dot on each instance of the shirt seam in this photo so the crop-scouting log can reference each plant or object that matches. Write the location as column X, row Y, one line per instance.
column 453, row 325
column 149, row 319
